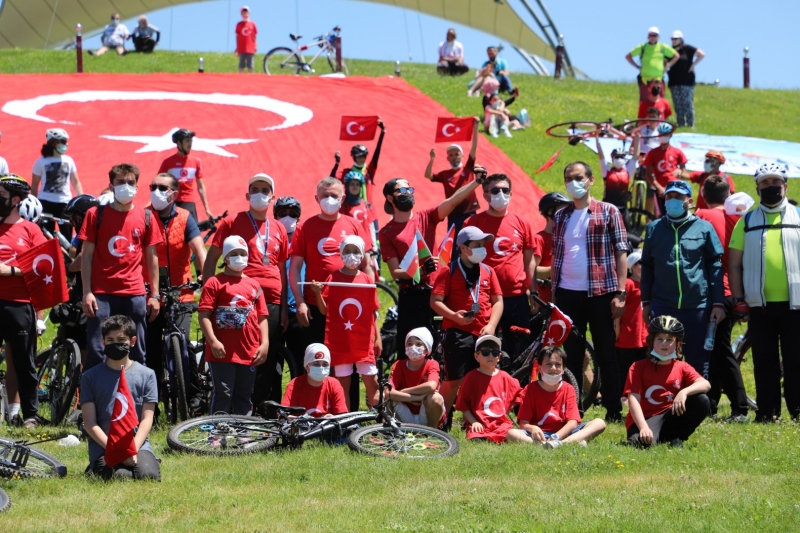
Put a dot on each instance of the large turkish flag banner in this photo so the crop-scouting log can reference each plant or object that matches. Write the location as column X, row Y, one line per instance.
column 285, row 126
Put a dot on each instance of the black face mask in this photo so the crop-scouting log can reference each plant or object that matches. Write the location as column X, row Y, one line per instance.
column 352, row 199
column 5, row 207
column 771, row 195
column 655, row 91
column 117, row 351
column 404, row 202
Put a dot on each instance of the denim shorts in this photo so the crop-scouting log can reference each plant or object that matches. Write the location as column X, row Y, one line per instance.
column 548, row 434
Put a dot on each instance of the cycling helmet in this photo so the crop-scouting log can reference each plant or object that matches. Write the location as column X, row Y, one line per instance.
column 77, row 207
column 354, row 175
column 665, row 128
column 182, row 134
column 617, row 153
column 553, row 200
column 666, row 324
column 774, row 170
column 15, row 185
column 359, row 150
column 30, row 209
column 57, row 134
column 286, row 202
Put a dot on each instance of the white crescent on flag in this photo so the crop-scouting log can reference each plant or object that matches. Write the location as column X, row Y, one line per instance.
column 124, row 403
column 488, row 404
column 560, row 323
column 348, row 128
column 112, row 246
column 42, row 257
column 350, row 301
column 321, row 247
column 497, row 246
column 444, row 130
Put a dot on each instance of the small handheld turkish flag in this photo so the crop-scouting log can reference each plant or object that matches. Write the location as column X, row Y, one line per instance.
column 558, row 328
column 45, row 275
column 120, row 445
column 358, row 128
column 454, row 129
column 446, row 249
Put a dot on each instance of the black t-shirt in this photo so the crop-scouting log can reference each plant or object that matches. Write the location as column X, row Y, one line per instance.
column 679, row 74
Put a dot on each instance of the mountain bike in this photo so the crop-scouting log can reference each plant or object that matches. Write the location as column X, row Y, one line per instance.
column 210, row 227
column 282, row 60
column 59, row 365
column 19, row 460
column 581, row 130
column 62, row 240
column 5, row 501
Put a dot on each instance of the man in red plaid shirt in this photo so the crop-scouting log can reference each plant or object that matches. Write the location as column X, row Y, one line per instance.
column 590, row 264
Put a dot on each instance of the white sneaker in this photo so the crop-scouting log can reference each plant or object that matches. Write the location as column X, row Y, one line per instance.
column 507, row 133
column 494, row 134
column 551, row 444
column 583, row 443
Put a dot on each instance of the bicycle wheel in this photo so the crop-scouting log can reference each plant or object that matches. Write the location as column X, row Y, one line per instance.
column 568, row 130
column 387, row 290
column 166, row 394
column 39, row 465
column 408, row 441
column 569, row 377
column 590, row 392
column 631, row 125
column 58, row 377
column 178, row 384
column 640, row 218
column 741, row 350
column 224, row 435
column 281, row 60
column 5, row 501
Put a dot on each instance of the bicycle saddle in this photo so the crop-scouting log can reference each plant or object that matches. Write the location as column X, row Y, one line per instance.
column 271, row 408
column 295, row 37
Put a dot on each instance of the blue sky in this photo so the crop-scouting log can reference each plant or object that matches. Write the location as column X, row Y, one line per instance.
column 598, row 34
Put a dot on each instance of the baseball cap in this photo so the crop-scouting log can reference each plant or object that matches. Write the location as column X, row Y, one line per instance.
column 678, row 186
column 485, row 338
column 455, row 147
column 653, row 29
column 634, row 258
column 677, row 34
column 352, row 239
column 471, row 233
column 262, row 177
column 234, row 242
column 316, row 352
column 245, row 8
column 422, row 334
column 388, row 189
column 714, row 154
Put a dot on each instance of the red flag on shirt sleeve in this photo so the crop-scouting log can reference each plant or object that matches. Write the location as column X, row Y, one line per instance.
column 45, row 274
column 358, row 128
column 558, row 328
column 454, row 129
column 120, row 445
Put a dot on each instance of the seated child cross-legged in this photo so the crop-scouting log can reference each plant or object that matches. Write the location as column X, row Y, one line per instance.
column 488, row 394
column 549, row 412
column 415, row 382
column 666, row 397
column 322, row 396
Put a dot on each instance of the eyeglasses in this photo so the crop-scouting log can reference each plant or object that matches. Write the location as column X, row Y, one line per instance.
column 404, row 190
column 489, row 353
column 162, row 188
column 498, row 190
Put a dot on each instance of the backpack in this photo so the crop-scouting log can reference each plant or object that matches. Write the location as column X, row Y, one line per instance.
column 101, row 208
column 765, row 226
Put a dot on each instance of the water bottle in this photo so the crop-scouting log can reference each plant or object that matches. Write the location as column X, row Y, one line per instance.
column 397, row 68
column 711, row 332
column 200, row 68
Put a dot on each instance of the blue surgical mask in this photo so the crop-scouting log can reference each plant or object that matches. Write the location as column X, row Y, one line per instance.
column 660, row 357
column 319, row 373
column 61, row 148
column 577, row 189
column 675, row 208
column 708, row 167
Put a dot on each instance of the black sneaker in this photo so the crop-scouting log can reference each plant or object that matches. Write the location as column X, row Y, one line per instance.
column 614, row 419
column 737, row 419
column 15, row 422
column 676, row 443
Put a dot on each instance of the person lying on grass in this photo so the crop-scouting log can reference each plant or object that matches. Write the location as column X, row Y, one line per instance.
column 319, row 394
column 413, row 394
column 487, row 395
column 666, row 396
column 553, row 405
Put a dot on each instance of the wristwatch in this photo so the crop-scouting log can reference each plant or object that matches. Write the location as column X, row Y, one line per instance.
column 622, row 294
column 158, row 297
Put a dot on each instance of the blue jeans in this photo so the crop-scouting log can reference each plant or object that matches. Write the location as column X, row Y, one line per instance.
column 505, row 83
column 134, row 307
column 694, row 323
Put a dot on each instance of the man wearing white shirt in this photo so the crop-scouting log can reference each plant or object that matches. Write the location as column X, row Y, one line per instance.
column 114, row 36
column 451, row 56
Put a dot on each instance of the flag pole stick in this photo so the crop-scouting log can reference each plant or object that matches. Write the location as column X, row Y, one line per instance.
column 341, row 284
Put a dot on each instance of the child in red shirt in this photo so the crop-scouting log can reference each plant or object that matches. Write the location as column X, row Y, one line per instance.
column 415, row 381
column 246, row 47
column 320, row 395
column 549, row 204
column 549, row 411
column 630, row 329
column 236, row 335
column 666, row 397
column 488, row 394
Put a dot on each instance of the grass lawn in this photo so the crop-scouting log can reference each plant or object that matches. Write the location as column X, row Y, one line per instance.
column 728, row 478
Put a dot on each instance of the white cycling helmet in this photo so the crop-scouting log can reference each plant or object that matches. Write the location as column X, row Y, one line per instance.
column 771, row 170
column 57, row 134
column 107, row 198
column 30, row 209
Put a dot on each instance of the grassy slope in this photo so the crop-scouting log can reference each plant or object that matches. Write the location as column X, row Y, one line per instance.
column 729, row 478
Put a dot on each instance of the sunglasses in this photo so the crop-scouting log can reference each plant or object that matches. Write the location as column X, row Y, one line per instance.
column 281, row 214
column 162, row 188
column 404, row 190
column 487, row 352
column 498, row 190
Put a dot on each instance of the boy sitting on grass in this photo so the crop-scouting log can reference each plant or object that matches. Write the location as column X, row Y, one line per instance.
column 99, row 387
column 487, row 395
column 322, row 396
column 549, row 412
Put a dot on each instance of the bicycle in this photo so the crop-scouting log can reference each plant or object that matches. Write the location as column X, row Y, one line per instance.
column 59, row 365
column 62, row 240
column 18, row 459
column 289, row 428
column 283, row 59
column 581, row 130
column 209, row 226
column 5, row 501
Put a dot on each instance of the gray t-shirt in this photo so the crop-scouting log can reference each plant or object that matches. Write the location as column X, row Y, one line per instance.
column 98, row 386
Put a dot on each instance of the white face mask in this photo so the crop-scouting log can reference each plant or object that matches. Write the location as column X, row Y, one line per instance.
column 330, row 205
column 577, row 189
column 415, row 353
column 551, row 379
column 499, row 201
column 660, row 357
column 159, row 200
column 708, row 167
column 618, row 163
column 237, row 263
column 259, row 201
column 352, row 261
column 124, row 193
column 290, row 223
column 319, row 373
column 478, row 255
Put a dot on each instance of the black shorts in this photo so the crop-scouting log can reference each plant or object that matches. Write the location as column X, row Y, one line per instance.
column 459, row 353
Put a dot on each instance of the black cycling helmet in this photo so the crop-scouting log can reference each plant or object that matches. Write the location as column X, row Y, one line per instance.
column 553, row 200
column 617, row 153
column 666, row 324
column 359, row 150
column 15, row 185
column 77, row 207
column 182, row 134
column 286, row 202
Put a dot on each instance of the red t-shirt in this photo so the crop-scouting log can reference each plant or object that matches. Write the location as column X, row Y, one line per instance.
column 268, row 276
column 632, row 329
column 15, row 240
column 234, row 291
column 549, row 410
column 544, row 242
column 512, row 236
column 662, row 104
column 117, row 265
column 490, row 399
column 317, row 242
column 327, row 399
column 350, row 322
column 458, row 297
column 246, row 37
column 403, row 378
column 453, row 179
column 700, row 178
column 361, row 213
column 663, row 162
column 617, row 182
column 396, row 237
column 723, row 224
column 185, row 168
column 657, row 385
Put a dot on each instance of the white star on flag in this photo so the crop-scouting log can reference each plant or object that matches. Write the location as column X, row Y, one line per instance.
column 361, row 128
column 132, row 248
column 348, row 325
column 164, row 143
column 458, row 129
column 48, row 279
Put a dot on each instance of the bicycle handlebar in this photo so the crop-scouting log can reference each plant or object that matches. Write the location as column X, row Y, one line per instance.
column 46, row 217
column 211, row 222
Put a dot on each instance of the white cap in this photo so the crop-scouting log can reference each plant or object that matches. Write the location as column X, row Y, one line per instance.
column 455, row 147
column 738, row 203
column 485, row 338
column 245, row 7
column 677, row 34
column 234, row 242
column 422, row 334
column 471, row 233
column 633, row 258
column 316, row 352
column 352, row 239
column 653, row 29
column 262, row 177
